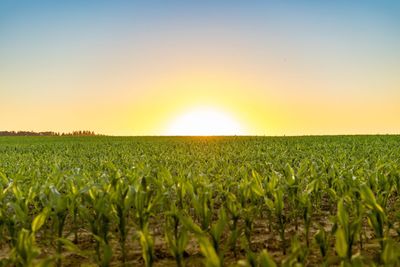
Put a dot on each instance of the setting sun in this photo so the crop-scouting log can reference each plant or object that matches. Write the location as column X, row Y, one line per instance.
column 204, row 121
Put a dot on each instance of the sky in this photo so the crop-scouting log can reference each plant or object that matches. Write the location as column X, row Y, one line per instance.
column 141, row 67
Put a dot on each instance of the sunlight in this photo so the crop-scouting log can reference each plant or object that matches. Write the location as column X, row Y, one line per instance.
column 204, row 122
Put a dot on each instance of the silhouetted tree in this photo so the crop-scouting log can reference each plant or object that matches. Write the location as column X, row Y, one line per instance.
column 47, row 133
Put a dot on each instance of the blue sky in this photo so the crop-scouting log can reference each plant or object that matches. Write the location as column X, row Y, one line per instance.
column 323, row 56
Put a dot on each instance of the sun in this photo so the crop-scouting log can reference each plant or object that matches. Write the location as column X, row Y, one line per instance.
column 204, row 121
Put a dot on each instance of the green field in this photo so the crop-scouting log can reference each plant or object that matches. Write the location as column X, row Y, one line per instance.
column 200, row 201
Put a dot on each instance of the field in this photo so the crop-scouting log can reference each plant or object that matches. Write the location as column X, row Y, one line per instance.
column 200, row 201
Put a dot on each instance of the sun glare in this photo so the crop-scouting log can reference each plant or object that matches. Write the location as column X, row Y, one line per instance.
column 204, row 122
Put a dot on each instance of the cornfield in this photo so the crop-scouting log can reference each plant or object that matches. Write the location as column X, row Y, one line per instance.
column 200, row 201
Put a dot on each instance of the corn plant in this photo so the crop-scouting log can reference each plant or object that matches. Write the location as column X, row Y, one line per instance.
column 391, row 253
column 292, row 186
column 147, row 244
column 346, row 233
column 234, row 211
column 297, row 255
column 26, row 249
column 306, row 207
column 203, row 204
column 5, row 188
column 216, row 231
column 376, row 214
column 321, row 239
column 276, row 204
column 58, row 213
column 262, row 259
column 121, row 201
column 97, row 212
column 251, row 192
column 211, row 256
column 20, row 216
column 143, row 203
column 176, row 234
column 75, row 191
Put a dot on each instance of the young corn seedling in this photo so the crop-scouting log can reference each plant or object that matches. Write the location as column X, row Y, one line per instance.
column 271, row 187
column 176, row 234
column 97, row 213
column 58, row 213
column 262, row 259
column 120, row 203
column 104, row 259
column 298, row 254
column 251, row 259
column 277, row 206
column 321, row 239
column 73, row 202
column 19, row 217
column 248, row 214
column 391, row 253
column 346, row 233
column 292, row 188
column 202, row 203
column 143, row 204
column 250, row 192
column 211, row 257
column 147, row 245
column 265, row 260
column 307, row 209
column 26, row 250
column 234, row 212
column 376, row 214
column 5, row 188
column 217, row 229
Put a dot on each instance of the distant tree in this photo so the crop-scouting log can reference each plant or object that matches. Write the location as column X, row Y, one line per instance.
column 48, row 133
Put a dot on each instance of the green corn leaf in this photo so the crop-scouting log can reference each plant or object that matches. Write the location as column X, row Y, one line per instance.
column 189, row 224
column 391, row 253
column 211, row 256
column 265, row 260
column 341, row 243
column 342, row 213
column 367, row 195
column 67, row 244
column 320, row 238
column 39, row 220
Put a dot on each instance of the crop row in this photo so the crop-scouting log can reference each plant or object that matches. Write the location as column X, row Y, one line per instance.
column 234, row 201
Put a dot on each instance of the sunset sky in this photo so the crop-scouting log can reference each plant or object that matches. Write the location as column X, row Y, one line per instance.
column 153, row 67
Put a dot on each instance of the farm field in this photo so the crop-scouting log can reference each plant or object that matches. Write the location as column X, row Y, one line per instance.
column 200, row 201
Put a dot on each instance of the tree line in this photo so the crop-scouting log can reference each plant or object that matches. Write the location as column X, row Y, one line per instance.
column 47, row 133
